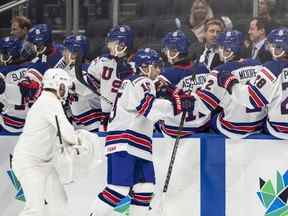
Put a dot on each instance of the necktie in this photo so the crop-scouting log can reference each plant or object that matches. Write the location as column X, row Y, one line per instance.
column 254, row 52
column 207, row 54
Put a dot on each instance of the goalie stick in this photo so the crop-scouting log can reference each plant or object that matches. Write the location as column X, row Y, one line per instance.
column 60, row 136
column 80, row 78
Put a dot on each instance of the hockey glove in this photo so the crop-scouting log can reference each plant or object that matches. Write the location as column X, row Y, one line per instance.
column 182, row 102
column 226, row 80
column 2, row 84
column 104, row 121
column 29, row 88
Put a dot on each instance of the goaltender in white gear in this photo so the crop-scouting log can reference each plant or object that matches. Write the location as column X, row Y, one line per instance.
column 34, row 151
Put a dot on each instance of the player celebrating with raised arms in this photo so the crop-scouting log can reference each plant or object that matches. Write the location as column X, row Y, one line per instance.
column 130, row 174
column 109, row 70
column 270, row 89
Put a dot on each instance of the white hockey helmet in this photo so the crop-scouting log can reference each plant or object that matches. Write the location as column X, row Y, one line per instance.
column 59, row 80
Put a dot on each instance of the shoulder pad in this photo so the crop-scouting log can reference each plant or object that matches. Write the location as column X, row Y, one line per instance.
column 199, row 68
column 251, row 62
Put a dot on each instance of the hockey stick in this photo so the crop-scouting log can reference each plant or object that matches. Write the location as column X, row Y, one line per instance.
column 173, row 156
column 80, row 78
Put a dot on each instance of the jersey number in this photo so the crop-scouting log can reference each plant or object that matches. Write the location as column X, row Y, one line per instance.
column 23, row 105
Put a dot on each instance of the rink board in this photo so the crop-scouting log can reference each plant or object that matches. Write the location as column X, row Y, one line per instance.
column 212, row 176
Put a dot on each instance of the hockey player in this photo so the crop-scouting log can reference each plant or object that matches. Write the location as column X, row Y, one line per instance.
column 185, row 75
column 270, row 89
column 33, row 153
column 109, row 70
column 234, row 120
column 85, row 107
column 19, row 87
column 40, row 36
column 130, row 175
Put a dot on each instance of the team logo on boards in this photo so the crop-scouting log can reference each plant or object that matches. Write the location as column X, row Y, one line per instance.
column 274, row 198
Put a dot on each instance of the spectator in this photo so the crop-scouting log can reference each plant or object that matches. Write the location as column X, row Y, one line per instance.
column 264, row 10
column 200, row 12
column 257, row 34
column 20, row 26
column 209, row 55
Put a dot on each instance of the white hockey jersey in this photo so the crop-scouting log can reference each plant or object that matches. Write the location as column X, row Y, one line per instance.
column 197, row 120
column 235, row 120
column 270, row 89
column 134, row 114
column 86, row 109
column 109, row 71
column 13, row 117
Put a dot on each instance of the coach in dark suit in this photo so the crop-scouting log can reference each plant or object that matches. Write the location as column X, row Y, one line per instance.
column 257, row 34
column 208, row 52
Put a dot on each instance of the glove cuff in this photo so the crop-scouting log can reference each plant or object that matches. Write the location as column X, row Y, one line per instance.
column 230, row 83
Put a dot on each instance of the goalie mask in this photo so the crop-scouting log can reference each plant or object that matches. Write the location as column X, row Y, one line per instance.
column 148, row 62
column 175, row 44
column 58, row 80
column 74, row 45
column 230, row 44
column 278, row 42
column 41, row 37
column 120, row 40
column 10, row 49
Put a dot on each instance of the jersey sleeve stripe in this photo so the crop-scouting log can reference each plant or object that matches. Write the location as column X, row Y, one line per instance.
column 87, row 117
column 242, row 127
column 211, row 101
column 256, row 96
column 268, row 74
column 280, row 127
column 38, row 76
column 145, row 105
column 13, row 122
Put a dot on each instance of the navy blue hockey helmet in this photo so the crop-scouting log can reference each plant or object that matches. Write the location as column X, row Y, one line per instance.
column 123, row 34
column 77, row 43
column 232, row 40
column 278, row 38
column 10, row 47
column 40, row 34
column 145, row 57
column 177, row 41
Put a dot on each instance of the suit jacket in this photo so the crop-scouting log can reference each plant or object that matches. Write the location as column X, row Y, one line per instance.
column 263, row 55
column 215, row 61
